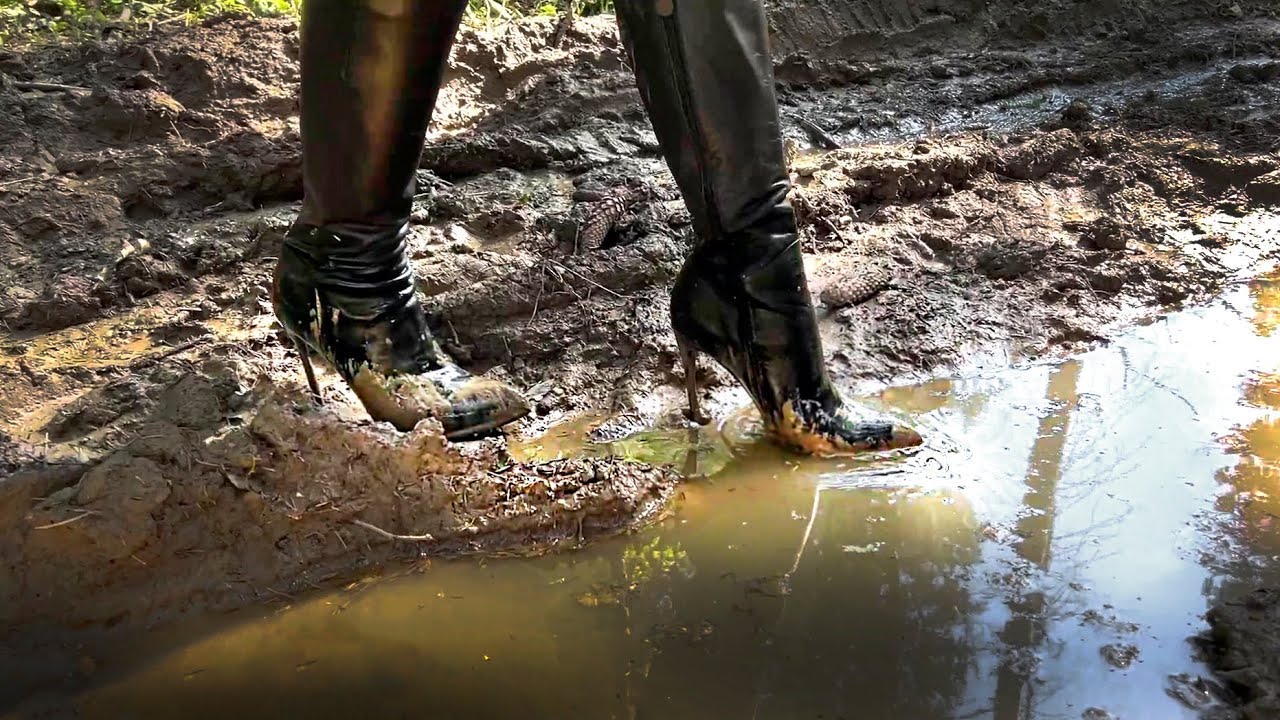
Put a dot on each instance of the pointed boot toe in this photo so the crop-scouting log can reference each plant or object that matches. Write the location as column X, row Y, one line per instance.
column 479, row 406
column 817, row 432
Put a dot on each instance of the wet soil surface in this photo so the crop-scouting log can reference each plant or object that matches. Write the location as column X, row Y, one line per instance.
column 969, row 579
column 1015, row 182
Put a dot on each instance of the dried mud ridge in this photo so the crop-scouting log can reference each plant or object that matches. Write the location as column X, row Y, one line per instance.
column 1027, row 183
column 228, row 493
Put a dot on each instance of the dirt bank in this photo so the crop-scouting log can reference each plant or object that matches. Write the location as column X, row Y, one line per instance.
column 1016, row 184
column 1243, row 645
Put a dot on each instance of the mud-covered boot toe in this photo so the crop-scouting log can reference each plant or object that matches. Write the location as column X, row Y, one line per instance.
column 815, row 431
column 381, row 346
column 402, row 400
column 476, row 406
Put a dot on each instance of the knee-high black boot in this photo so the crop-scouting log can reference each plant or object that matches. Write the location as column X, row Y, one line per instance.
column 343, row 287
column 706, row 78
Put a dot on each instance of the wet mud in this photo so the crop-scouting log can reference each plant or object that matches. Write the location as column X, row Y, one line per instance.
column 1011, row 181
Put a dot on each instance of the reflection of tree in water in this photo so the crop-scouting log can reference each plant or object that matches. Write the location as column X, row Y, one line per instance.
column 918, row 400
column 1026, row 629
column 875, row 620
column 1255, row 502
column 1265, row 292
column 893, row 569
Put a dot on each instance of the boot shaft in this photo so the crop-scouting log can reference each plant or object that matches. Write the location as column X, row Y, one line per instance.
column 706, row 78
column 371, row 72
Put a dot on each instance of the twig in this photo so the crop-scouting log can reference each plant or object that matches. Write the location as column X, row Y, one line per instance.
column 167, row 353
column 49, row 87
column 589, row 280
column 542, row 284
column 393, row 536
column 68, row 521
column 19, row 181
column 817, row 134
column 808, row 529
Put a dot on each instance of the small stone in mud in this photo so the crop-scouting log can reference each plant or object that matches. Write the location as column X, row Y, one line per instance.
column 1094, row 713
column 1119, row 656
column 1076, row 114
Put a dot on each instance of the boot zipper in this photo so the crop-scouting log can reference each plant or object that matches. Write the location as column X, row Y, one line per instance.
column 680, row 73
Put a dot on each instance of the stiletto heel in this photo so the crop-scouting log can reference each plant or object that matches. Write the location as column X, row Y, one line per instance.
column 385, row 353
column 343, row 288
column 742, row 298
column 305, row 356
column 689, row 360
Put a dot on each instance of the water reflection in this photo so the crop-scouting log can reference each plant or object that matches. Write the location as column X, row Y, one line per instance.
column 1025, row 629
column 1052, row 515
column 1251, row 492
column 853, row 603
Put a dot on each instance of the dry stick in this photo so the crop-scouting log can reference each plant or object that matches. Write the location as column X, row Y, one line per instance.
column 808, row 529
column 166, row 353
column 19, row 181
column 68, row 521
column 49, row 87
column 817, row 134
column 542, row 284
column 589, row 280
column 393, row 536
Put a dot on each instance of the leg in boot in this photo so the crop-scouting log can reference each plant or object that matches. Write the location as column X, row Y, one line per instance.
column 343, row 287
column 706, row 78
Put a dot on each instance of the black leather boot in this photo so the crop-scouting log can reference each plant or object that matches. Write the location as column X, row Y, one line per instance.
column 706, row 78
column 343, row 287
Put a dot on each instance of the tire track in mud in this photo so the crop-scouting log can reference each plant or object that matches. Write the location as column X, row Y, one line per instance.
column 801, row 25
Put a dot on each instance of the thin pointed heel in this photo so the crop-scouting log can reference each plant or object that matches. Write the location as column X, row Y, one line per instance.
column 689, row 360
column 305, row 356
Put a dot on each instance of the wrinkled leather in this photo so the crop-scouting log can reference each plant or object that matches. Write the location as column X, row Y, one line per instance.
column 343, row 286
column 371, row 72
column 706, row 78
column 725, row 148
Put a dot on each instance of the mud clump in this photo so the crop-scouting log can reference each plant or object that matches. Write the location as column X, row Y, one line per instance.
column 1119, row 656
column 1243, row 647
column 1265, row 189
column 222, row 492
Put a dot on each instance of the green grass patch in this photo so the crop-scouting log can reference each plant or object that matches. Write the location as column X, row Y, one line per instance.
column 34, row 20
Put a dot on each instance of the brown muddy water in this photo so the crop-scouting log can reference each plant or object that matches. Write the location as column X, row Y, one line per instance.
column 1048, row 554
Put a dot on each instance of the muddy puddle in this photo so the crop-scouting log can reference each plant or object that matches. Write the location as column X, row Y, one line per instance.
column 976, row 102
column 1050, row 553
